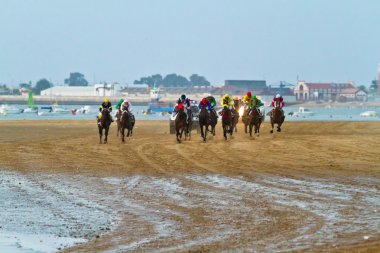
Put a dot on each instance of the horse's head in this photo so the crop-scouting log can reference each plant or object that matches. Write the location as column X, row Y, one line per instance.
column 105, row 112
column 254, row 112
column 226, row 114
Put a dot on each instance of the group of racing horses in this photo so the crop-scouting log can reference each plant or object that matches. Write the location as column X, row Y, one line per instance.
column 124, row 120
column 207, row 122
column 230, row 117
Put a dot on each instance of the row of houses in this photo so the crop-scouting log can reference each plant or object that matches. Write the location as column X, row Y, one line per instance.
column 305, row 91
column 302, row 91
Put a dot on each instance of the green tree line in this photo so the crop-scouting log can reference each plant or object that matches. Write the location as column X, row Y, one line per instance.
column 173, row 80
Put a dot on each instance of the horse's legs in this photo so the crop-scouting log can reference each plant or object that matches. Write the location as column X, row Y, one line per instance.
column 250, row 130
column 100, row 134
column 106, row 134
column 180, row 135
column 271, row 121
column 122, row 133
column 225, row 132
column 177, row 135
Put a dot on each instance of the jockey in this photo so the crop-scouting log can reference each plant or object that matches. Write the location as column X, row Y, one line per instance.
column 278, row 101
column 256, row 103
column 227, row 101
column 185, row 102
column 118, row 104
column 205, row 103
column 236, row 103
column 247, row 101
column 126, row 106
column 105, row 105
column 212, row 104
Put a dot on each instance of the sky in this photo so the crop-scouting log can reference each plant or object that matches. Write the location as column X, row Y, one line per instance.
column 122, row 40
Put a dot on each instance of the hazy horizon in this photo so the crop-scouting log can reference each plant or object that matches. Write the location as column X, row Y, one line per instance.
column 328, row 41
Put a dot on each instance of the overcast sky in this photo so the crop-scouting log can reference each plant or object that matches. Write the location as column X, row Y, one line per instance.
column 321, row 40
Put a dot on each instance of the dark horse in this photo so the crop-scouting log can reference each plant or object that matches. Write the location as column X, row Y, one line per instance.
column 189, row 124
column 227, row 122
column 213, row 121
column 235, row 111
column 254, row 119
column 277, row 117
column 204, row 121
column 105, row 123
column 126, row 122
column 180, row 124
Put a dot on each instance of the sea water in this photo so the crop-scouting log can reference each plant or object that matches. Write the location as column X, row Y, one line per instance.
column 339, row 113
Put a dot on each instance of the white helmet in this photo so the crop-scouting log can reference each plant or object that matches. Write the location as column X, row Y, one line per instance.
column 278, row 96
column 126, row 100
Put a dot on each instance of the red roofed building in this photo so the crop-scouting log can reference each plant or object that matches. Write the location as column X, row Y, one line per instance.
column 320, row 91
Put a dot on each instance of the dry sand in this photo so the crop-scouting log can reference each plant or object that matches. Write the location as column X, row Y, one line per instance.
column 315, row 186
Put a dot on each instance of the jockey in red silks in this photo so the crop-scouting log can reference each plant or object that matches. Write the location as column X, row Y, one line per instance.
column 205, row 103
column 180, row 106
column 278, row 101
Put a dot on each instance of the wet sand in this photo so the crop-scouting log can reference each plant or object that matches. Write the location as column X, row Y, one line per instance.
column 314, row 186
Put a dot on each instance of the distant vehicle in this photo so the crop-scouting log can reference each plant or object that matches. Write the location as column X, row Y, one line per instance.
column 83, row 110
column 9, row 109
column 53, row 110
column 156, row 105
column 302, row 112
column 194, row 110
column 369, row 114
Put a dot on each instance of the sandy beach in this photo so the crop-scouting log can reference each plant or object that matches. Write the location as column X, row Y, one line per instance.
column 313, row 187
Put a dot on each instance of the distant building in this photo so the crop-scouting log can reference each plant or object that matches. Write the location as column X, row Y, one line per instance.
column 361, row 95
column 103, row 90
column 320, row 91
column 242, row 86
column 349, row 94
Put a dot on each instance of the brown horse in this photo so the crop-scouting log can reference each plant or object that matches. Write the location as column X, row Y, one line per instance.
column 105, row 123
column 204, row 121
column 227, row 122
column 126, row 122
column 235, row 111
column 213, row 121
column 180, row 124
column 277, row 117
column 254, row 119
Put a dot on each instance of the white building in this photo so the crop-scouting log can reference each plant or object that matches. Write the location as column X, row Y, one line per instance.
column 101, row 90
column 320, row 91
column 361, row 95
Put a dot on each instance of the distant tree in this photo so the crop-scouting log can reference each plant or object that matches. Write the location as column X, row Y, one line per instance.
column 197, row 80
column 16, row 92
column 42, row 84
column 27, row 86
column 76, row 79
column 374, row 87
column 174, row 80
column 363, row 88
column 150, row 80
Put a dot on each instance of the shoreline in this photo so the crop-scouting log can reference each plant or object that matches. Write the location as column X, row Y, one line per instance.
column 258, row 193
